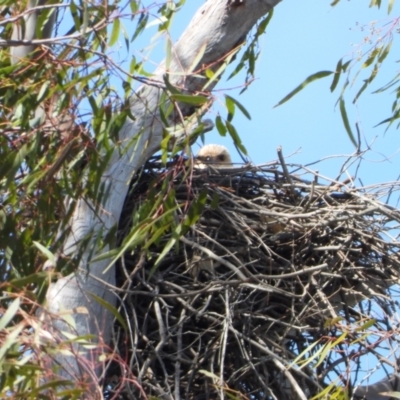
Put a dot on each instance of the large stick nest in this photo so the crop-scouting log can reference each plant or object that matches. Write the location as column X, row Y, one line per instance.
column 273, row 260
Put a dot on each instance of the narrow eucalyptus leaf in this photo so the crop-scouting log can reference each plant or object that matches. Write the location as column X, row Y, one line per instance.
column 346, row 123
column 110, row 308
column 311, row 78
column 195, row 100
column 115, row 32
column 10, row 313
column 336, row 75
column 241, row 107
column 220, row 126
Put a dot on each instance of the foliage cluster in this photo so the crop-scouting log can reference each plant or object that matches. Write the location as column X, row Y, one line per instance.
column 60, row 119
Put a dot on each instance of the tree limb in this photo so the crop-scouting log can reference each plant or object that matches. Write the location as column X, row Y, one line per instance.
column 216, row 29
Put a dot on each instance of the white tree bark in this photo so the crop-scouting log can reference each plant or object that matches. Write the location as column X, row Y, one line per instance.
column 379, row 390
column 216, row 29
column 25, row 29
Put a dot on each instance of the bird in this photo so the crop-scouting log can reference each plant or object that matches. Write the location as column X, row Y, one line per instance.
column 214, row 155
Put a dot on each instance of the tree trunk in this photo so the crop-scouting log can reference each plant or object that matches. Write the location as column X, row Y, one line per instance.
column 218, row 27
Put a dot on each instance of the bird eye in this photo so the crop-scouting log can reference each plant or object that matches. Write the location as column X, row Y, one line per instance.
column 208, row 158
column 221, row 157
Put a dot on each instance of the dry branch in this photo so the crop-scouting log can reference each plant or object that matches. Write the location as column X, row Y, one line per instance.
column 254, row 282
column 217, row 29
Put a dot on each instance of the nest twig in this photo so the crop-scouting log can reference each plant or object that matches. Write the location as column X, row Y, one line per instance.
column 264, row 273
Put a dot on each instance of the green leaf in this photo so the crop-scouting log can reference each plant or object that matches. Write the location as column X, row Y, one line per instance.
column 198, row 58
column 115, row 32
column 240, row 106
column 195, row 210
column 220, row 70
column 375, row 3
column 363, row 87
column 367, row 325
column 18, row 160
column 230, row 105
column 50, row 256
column 385, row 52
column 36, row 278
column 43, row 91
column 165, row 251
column 172, row 89
column 299, row 359
column 110, row 308
column 214, row 201
column 345, row 65
column 390, row 6
column 336, row 75
column 236, row 138
column 194, row 100
column 262, row 26
column 43, row 19
column 75, row 15
column 311, row 78
column 209, row 73
column 345, row 119
column 134, row 6
column 367, row 82
column 10, row 313
column 371, row 57
column 220, row 126
column 10, row 340
column 144, row 17
column 389, row 120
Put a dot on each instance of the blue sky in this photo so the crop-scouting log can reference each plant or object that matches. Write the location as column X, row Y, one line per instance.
column 303, row 38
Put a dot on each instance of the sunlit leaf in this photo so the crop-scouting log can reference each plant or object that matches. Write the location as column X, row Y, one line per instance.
column 110, row 308
column 134, row 6
column 240, row 106
column 144, row 17
column 336, row 75
column 50, row 256
column 75, row 15
column 311, row 78
column 43, row 91
column 194, row 100
column 172, row 89
column 367, row 82
column 236, row 138
column 262, row 26
column 42, row 20
column 10, row 313
column 385, row 52
column 115, row 32
column 367, row 325
column 371, row 57
column 220, row 126
column 10, row 340
column 230, row 105
column 197, row 59
column 345, row 120
column 221, row 69
column 375, row 3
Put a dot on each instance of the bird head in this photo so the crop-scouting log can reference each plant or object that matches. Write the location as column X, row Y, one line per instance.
column 213, row 155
